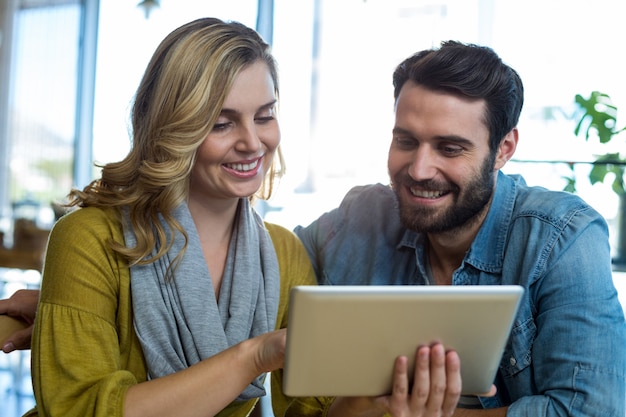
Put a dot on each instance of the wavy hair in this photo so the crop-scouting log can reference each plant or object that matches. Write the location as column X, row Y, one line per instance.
column 175, row 107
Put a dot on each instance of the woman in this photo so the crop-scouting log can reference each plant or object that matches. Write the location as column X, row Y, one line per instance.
column 160, row 295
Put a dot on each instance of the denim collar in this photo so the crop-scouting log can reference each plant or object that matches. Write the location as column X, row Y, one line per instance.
column 487, row 250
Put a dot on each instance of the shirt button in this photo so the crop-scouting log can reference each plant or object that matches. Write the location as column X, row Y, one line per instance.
column 512, row 361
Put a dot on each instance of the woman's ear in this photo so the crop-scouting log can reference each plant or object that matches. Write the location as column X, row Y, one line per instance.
column 506, row 149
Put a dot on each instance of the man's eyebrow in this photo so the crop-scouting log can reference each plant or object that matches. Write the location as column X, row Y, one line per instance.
column 265, row 106
column 448, row 138
column 456, row 139
column 400, row 131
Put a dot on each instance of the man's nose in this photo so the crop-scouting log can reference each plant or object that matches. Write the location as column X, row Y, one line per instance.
column 424, row 164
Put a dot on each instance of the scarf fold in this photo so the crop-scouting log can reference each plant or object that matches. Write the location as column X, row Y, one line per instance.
column 179, row 322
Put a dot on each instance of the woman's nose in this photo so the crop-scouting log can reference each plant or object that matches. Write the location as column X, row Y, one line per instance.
column 249, row 138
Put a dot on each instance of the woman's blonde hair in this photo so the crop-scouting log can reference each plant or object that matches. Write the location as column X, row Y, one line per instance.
column 176, row 105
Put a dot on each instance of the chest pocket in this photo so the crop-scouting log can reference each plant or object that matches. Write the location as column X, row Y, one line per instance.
column 517, row 353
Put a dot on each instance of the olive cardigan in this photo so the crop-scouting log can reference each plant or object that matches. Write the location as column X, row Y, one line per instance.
column 85, row 353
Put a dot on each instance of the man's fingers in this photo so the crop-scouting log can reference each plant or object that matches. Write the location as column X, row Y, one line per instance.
column 436, row 384
column 438, row 377
column 491, row 392
column 421, row 379
column 454, row 384
column 400, row 379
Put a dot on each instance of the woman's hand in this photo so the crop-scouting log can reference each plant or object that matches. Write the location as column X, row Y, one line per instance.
column 435, row 392
column 21, row 305
column 271, row 352
column 224, row 376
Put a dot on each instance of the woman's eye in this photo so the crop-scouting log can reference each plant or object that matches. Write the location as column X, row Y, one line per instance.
column 266, row 115
column 221, row 126
column 264, row 119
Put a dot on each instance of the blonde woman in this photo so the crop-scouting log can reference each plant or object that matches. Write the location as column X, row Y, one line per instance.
column 162, row 292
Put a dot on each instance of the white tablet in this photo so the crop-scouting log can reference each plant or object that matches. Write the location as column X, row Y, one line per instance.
column 343, row 340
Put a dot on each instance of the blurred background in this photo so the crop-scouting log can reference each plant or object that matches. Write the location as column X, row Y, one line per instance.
column 69, row 69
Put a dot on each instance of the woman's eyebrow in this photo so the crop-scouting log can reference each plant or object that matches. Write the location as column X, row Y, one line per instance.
column 267, row 105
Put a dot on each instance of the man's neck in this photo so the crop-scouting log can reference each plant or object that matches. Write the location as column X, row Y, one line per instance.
column 443, row 262
column 447, row 250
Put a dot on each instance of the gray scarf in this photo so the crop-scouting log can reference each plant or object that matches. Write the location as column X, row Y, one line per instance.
column 179, row 322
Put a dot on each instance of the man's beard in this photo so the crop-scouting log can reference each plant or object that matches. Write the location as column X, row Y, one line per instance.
column 467, row 205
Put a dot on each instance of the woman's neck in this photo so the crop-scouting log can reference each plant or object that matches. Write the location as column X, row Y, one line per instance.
column 214, row 223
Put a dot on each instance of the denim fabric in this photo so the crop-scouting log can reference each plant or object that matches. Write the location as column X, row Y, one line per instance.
column 567, row 351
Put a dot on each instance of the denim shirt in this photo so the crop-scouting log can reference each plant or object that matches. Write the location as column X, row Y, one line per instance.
column 566, row 354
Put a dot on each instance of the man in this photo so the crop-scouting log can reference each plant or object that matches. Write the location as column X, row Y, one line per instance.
column 450, row 217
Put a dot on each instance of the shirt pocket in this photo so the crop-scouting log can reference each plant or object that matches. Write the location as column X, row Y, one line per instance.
column 517, row 354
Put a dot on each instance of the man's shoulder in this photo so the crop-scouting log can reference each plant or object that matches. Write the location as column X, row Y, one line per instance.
column 369, row 196
column 553, row 203
column 366, row 212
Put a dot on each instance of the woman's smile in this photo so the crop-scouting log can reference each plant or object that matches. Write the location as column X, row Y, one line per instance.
column 244, row 169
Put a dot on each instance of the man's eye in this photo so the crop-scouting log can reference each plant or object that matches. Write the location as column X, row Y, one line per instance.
column 404, row 142
column 451, row 150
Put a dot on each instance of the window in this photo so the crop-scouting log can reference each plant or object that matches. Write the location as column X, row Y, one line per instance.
column 41, row 102
column 126, row 42
column 335, row 61
column 560, row 48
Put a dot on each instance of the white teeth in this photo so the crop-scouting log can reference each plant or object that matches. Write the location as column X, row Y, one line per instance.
column 243, row 167
column 426, row 194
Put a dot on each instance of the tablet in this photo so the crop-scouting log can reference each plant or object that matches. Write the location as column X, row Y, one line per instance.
column 343, row 340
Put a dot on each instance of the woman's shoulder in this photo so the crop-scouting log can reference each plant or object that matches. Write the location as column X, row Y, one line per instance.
column 90, row 219
column 294, row 263
column 277, row 231
column 284, row 240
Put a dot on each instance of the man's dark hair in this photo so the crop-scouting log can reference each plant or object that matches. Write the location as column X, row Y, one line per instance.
column 470, row 71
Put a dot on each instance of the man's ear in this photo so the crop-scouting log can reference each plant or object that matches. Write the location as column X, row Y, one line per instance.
column 506, row 149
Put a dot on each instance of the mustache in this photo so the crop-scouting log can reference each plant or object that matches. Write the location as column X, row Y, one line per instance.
column 430, row 184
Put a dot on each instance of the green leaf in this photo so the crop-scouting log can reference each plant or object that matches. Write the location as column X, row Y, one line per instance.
column 570, row 187
column 597, row 174
column 599, row 115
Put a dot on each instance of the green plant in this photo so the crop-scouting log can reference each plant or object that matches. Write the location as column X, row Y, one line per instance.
column 598, row 119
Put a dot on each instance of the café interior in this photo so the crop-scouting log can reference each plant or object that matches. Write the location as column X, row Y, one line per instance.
column 68, row 69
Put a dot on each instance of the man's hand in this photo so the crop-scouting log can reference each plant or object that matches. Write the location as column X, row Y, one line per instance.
column 436, row 388
column 22, row 305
